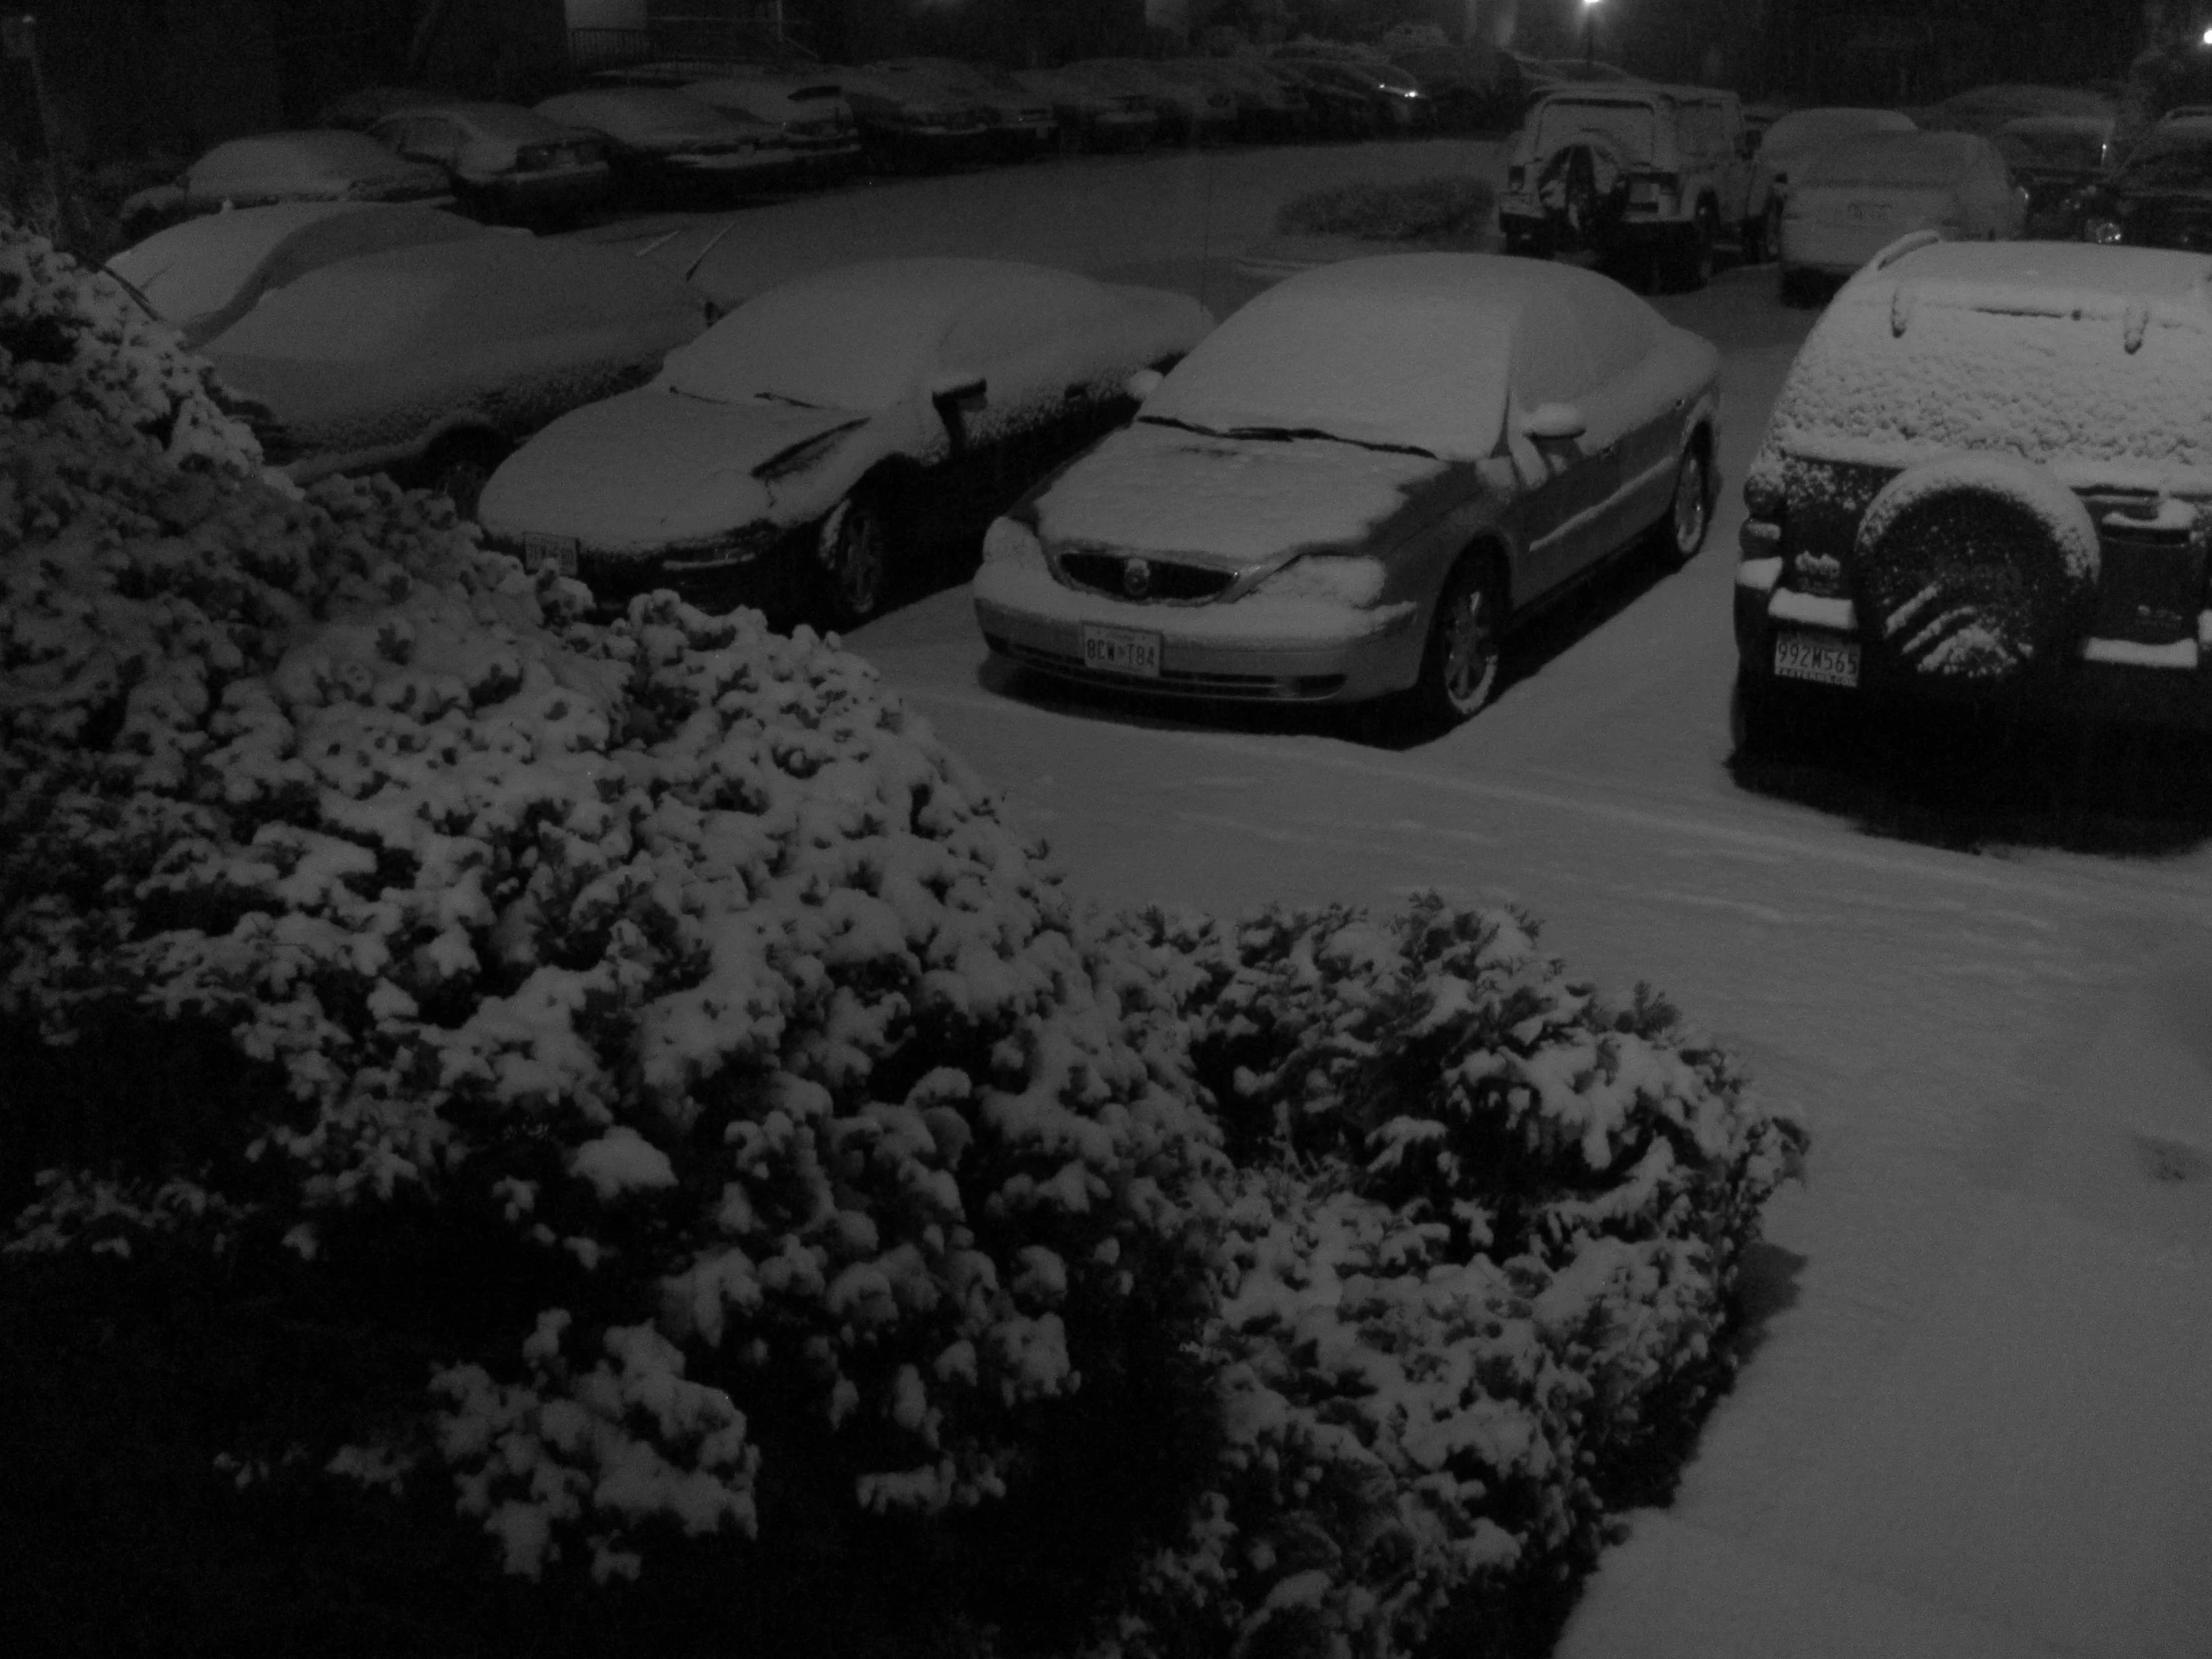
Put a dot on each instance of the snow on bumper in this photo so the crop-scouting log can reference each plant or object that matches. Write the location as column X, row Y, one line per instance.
column 1260, row 646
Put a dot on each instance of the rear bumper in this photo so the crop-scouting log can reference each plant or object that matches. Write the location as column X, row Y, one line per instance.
column 2168, row 685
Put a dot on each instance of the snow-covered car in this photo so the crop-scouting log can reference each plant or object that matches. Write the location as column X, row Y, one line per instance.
column 1653, row 175
column 203, row 274
column 1188, row 110
column 1472, row 88
column 1855, row 198
column 809, row 114
column 288, row 167
column 1022, row 122
column 1789, row 146
column 913, row 121
column 1395, row 95
column 1988, row 481
column 802, row 453
column 659, row 139
column 502, row 161
column 433, row 359
column 2161, row 196
column 1091, row 116
column 1985, row 110
column 1358, row 481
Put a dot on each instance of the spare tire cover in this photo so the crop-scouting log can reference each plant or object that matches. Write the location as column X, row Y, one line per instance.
column 1975, row 567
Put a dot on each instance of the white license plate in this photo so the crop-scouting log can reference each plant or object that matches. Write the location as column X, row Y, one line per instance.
column 557, row 551
column 1818, row 657
column 1121, row 650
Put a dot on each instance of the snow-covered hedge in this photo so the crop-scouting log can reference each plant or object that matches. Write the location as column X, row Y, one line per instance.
column 693, row 1110
column 1481, row 1254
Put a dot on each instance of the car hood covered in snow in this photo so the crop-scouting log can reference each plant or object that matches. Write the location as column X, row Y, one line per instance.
column 1233, row 502
column 649, row 471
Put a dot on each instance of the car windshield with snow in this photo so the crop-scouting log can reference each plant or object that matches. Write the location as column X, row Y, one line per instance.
column 1858, row 197
column 803, row 452
column 1986, row 481
column 425, row 349
column 1354, row 485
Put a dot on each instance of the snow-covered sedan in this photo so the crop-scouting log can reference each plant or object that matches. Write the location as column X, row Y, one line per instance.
column 505, row 161
column 424, row 351
column 1358, row 481
column 288, row 167
column 1987, row 481
column 1855, row 198
column 1790, row 145
column 802, row 451
column 663, row 140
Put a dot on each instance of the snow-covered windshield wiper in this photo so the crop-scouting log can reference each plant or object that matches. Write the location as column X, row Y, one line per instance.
column 1284, row 433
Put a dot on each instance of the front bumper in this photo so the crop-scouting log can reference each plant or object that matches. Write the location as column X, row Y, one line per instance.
column 2168, row 685
column 1252, row 649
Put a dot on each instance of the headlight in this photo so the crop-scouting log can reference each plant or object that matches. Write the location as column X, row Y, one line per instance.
column 1329, row 578
column 1010, row 542
column 2103, row 230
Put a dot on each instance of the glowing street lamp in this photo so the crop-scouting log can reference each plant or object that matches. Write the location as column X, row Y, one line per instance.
column 1589, row 32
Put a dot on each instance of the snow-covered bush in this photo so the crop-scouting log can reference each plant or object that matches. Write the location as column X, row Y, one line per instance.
column 1481, row 1254
column 661, row 995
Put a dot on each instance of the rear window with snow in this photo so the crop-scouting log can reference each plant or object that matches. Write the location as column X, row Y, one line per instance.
column 1804, row 132
column 1912, row 160
column 1897, row 375
column 251, row 164
column 1626, row 125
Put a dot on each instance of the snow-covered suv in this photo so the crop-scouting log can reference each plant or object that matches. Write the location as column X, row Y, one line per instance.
column 1631, row 170
column 1988, row 478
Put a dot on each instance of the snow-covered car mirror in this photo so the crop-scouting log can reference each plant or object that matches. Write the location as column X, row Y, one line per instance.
column 956, row 390
column 1550, row 423
column 1143, row 383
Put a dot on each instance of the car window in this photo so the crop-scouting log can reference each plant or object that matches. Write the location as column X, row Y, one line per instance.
column 1551, row 363
column 1564, row 121
column 1616, row 328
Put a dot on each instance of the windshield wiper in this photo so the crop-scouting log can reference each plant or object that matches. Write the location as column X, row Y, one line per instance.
column 1284, row 433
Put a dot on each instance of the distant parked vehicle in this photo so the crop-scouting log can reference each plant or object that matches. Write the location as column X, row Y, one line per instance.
column 1986, row 484
column 424, row 358
column 913, row 120
column 288, row 167
column 502, row 161
column 1984, row 110
column 806, row 449
column 2059, row 160
column 1093, row 115
column 203, row 274
column 1858, row 197
column 1473, row 88
column 1791, row 144
column 361, row 108
column 1269, row 105
column 2161, row 196
column 1023, row 124
column 1190, row 111
column 1356, row 484
column 809, row 115
column 661, row 141
column 1656, row 177
column 1393, row 94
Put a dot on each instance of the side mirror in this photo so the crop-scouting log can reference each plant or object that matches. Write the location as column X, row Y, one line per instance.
column 1143, row 383
column 956, row 391
column 1553, row 422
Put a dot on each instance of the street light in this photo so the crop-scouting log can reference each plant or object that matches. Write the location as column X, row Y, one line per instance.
column 1589, row 33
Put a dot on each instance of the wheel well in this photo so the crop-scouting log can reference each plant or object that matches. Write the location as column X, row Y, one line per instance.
column 1489, row 555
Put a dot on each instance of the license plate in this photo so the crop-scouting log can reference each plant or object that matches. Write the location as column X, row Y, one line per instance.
column 557, row 551
column 1121, row 650
column 1818, row 657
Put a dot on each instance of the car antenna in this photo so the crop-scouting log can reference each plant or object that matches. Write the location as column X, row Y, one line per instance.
column 709, row 249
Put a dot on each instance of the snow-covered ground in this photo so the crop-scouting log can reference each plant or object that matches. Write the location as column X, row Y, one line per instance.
column 1978, row 1417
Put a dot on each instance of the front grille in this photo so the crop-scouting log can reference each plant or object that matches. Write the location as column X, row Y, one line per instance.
column 1271, row 687
column 1164, row 583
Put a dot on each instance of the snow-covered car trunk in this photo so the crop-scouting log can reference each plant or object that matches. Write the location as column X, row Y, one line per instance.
column 1990, row 476
column 1838, row 227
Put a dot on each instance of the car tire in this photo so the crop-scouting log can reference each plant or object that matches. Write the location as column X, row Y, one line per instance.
column 1460, row 665
column 461, row 466
column 1693, row 257
column 1680, row 533
column 1977, row 569
column 858, row 561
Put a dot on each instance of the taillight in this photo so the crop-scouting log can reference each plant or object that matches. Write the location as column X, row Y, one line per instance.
column 1766, row 502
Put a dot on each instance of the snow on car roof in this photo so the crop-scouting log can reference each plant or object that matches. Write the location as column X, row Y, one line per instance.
column 491, row 119
column 191, row 273
column 2090, row 358
column 1404, row 348
column 639, row 113
column 249, row 161
column 861, row 335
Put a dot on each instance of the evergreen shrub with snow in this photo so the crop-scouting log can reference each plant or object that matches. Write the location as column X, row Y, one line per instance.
column 624, row 1087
